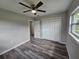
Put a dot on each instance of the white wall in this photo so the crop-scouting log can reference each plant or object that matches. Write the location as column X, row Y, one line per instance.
column 49, row 27
column 14, row 30
column 72, row 47
column 72, row 44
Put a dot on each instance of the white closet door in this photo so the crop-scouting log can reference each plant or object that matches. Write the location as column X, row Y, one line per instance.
column 51, row 30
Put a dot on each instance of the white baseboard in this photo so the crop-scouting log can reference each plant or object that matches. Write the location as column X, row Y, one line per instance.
column 53, row 40
column 13, row 47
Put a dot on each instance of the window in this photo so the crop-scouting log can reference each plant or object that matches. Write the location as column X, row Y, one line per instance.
column 74, row 22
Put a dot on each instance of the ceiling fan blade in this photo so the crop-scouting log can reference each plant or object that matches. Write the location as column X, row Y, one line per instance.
column 26, row 11
column 39, row 4
column 41, row 10
column 24, row 5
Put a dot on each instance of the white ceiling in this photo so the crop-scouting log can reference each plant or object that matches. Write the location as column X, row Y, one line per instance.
column 51, row 6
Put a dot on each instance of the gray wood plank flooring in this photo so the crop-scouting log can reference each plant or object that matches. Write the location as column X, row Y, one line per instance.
column 38, row 49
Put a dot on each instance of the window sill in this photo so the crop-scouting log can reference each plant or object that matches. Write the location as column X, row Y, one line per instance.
column 74, row 37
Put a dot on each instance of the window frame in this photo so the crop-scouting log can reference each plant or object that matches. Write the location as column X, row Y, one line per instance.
column 71, row 23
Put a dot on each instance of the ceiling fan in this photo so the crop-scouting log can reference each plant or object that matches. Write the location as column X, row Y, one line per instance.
column 33, row 8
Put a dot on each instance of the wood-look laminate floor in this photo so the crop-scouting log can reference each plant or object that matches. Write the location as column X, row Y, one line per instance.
column 38, row 49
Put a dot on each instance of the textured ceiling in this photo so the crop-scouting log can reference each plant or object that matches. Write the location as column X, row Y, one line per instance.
column 51, row 6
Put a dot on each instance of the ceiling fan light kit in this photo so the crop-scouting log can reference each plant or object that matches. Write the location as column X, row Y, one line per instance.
column 33, row 11
column 33, row 8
